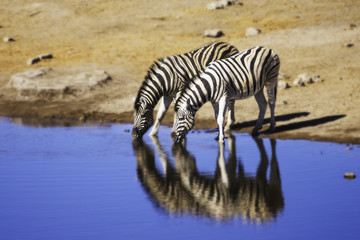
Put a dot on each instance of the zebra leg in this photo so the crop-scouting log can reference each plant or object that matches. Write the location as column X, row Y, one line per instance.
column 221, row 117
column 231, row 115
column 261, row 101
column 215, row 106
column 272, row 99
column 164, row 105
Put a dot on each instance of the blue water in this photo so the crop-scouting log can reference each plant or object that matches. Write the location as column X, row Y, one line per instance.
column 93, row 182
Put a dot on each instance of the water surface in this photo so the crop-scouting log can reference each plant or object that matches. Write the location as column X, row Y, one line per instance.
column 93, row 182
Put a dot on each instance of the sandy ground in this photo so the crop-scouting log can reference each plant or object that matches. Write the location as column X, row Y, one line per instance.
column 125, row 37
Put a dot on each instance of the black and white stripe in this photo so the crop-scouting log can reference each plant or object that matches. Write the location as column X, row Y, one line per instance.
column 241, row 76
column 177, row 186
column 167, row 77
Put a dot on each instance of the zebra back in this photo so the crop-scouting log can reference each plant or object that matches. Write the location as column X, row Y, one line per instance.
column 239, row 76
column 169, row 75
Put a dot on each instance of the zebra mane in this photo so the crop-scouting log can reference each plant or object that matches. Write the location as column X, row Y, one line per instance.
column 181, row 97
column 154, row 66
column 151, row 70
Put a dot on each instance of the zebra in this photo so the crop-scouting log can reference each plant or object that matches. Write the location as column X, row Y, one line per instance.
column 238, row 77
column 166, row 77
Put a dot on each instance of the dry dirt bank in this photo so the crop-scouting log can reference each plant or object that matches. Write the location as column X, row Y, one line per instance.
column 125, row 37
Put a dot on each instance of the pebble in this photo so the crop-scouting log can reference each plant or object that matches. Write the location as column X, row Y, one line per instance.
column 305, row 78
column 251, row 31
column 37, row 59
column 215, row 33
column 8, row 39
column 317, row 78
column 216, row 5
column 282, row 84
column 298, row 82
column 45, row 56
column 283, row 76
column 222, row 4
column 32, row 61
column 349, row 175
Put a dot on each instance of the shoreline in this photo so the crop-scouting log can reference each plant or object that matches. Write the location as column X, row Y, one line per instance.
column 283, row 131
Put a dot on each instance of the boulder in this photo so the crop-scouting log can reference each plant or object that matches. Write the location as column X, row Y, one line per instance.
column 47, row 84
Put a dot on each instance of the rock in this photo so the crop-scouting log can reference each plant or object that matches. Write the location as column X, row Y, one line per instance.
column 298, row 82
column 32, row 61
column 235, row 2
column 302, row 79
column 252, row 31
column 222, row 4
column 8, row 39
column 352, row 26
column 317, row 78
column 306, row 78
column 349, row 175
column 282, row 84
column 215, row 33
column 45, row 56
column 47, row 84
column 37, row 59
column 216, row 5
column 283, row 76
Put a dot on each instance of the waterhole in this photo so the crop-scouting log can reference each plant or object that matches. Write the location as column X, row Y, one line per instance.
column 93, row 182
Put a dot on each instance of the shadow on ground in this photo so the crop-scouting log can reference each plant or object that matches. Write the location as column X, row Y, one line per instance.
column 290, row 126
column 285, row 117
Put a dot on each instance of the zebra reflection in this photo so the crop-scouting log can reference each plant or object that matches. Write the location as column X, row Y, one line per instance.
column 228, row 194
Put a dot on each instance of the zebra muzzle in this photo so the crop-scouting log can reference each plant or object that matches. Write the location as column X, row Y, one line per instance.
column 136, row 134
column 177, row 137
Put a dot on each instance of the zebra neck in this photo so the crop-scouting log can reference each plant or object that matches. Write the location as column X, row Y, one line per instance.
column 198, row 93
column 157, row 83
column 150, row 96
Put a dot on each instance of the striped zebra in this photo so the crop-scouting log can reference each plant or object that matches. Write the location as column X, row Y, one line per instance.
column 241, row 76
column 166, row 78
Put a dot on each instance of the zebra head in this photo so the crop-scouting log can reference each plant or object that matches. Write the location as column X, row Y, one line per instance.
column 143, row 118
column 184, row 121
